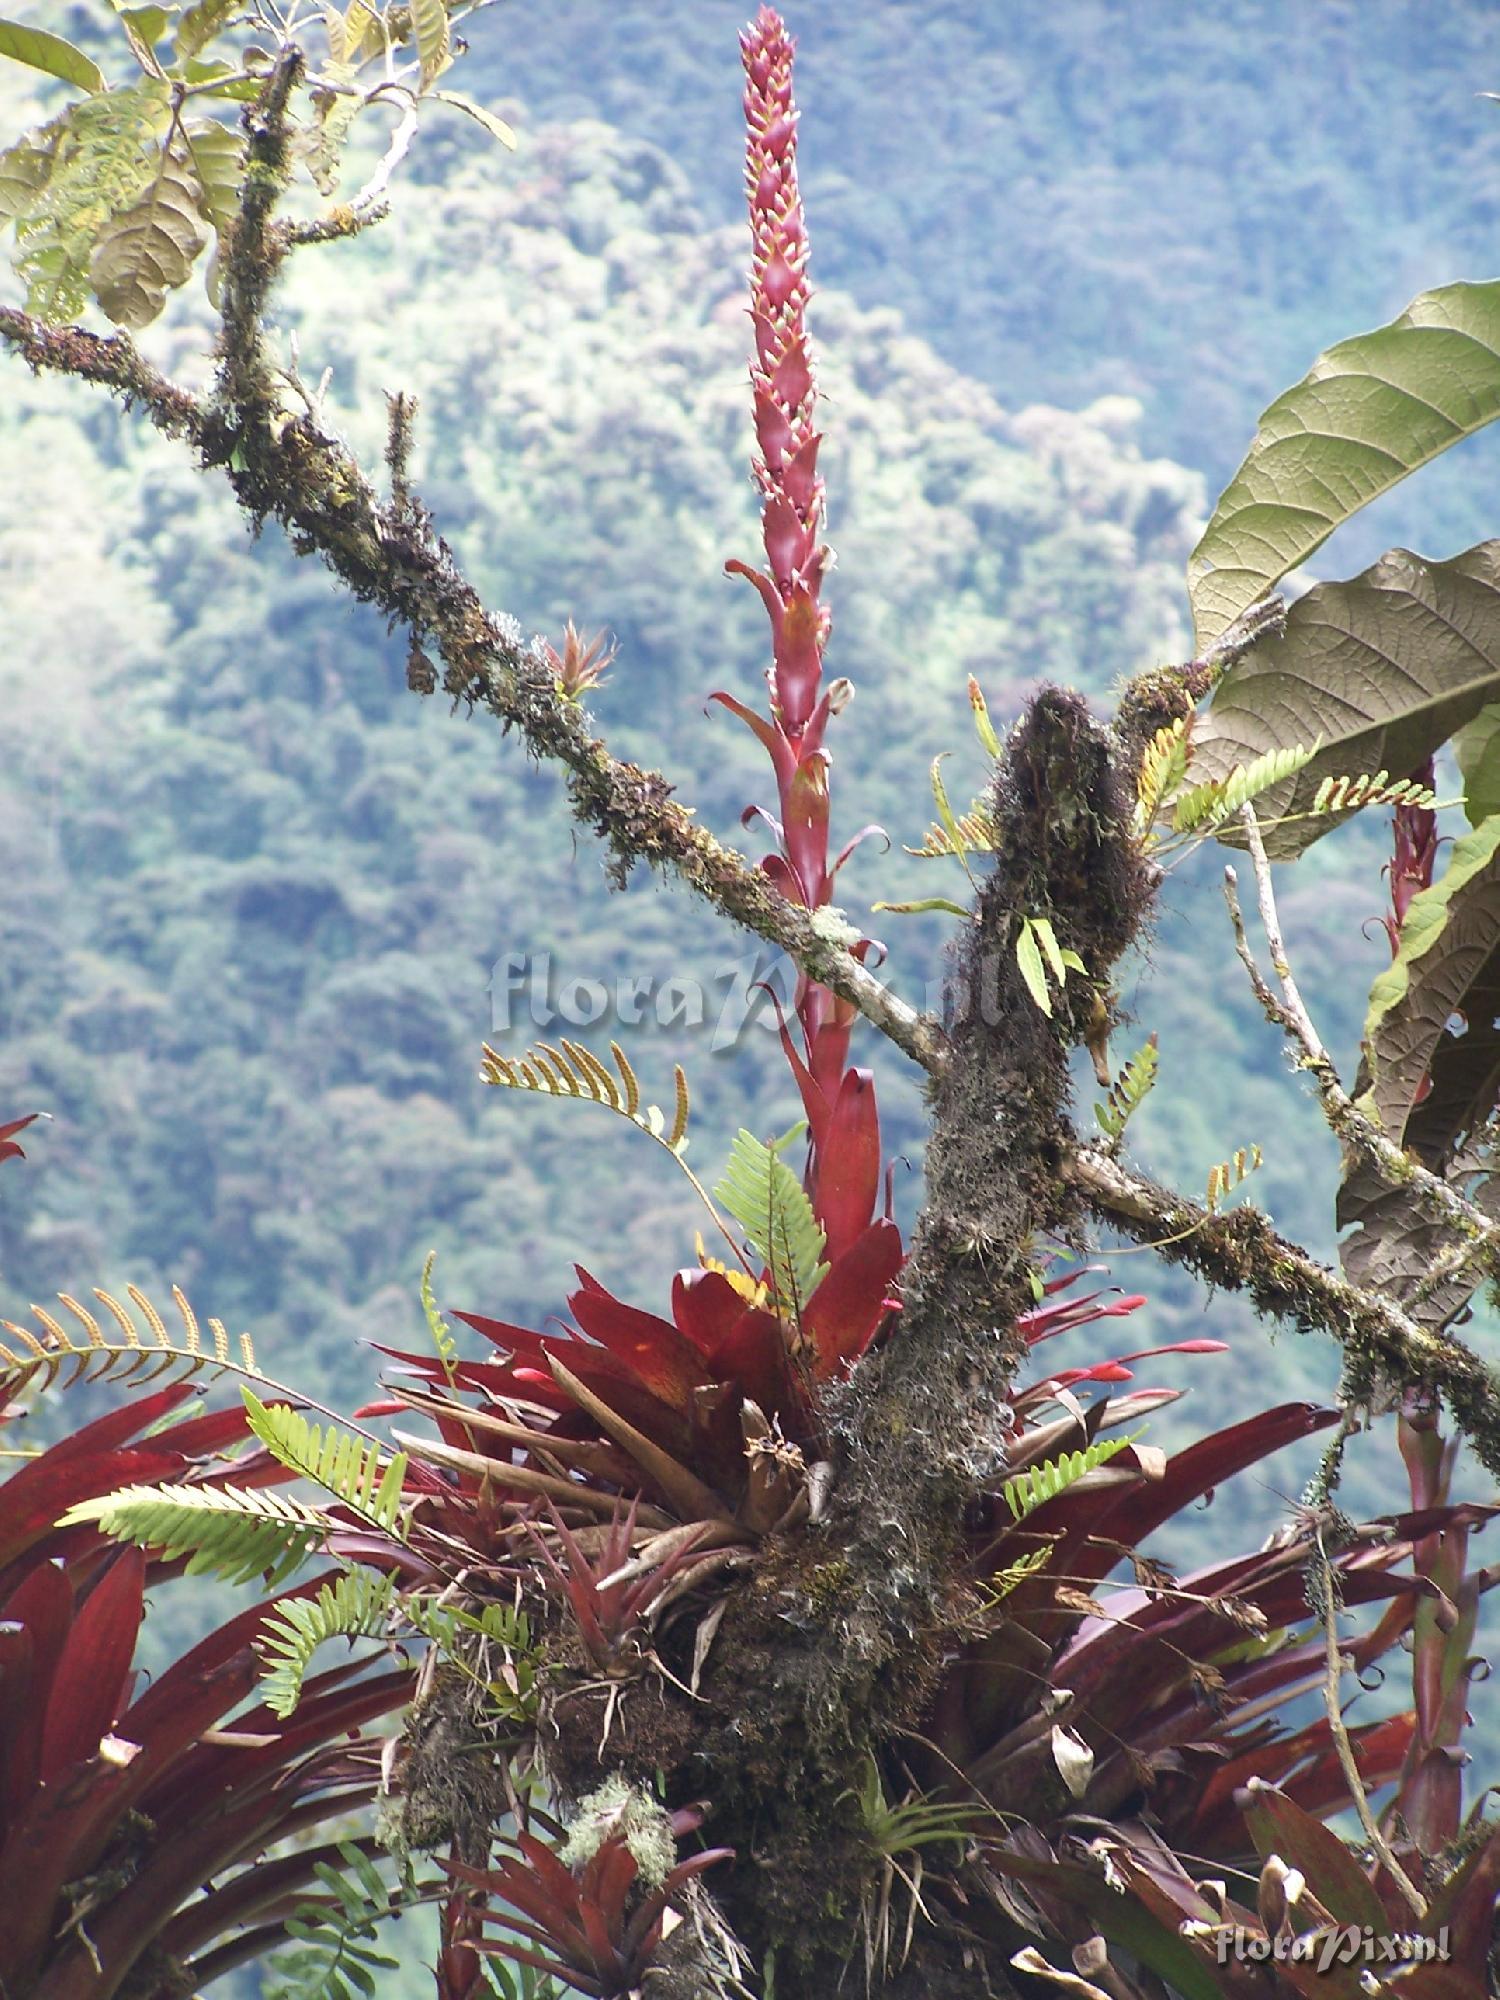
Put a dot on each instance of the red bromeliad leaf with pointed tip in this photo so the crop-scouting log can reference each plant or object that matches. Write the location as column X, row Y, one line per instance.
column 845, row 1312
column 90, row 1677
column 848, row 1163
column 677, row 1387
column 9, row 1150
column 579, row 1924
column 86, row 1763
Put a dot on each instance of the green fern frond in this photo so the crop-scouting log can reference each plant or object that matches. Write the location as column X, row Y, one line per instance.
column 1228, row 1174
column 343, row 1464
column 356, row 1605
column 1040, row 1483
column 1205, row 805
column 575, row 1071
column 999, row 1584
column 437, row 1326
column 957, row 835
column 135, row 1356
column 1345, row 794
column 770, row 1204
column 983, row 727
column 1037, row 951
column 513, row 1689
column 1163, row 766
column 333, row 1952
column 1128, row 1091
column 946, row 818
column 976, row 833
column 225, row 1531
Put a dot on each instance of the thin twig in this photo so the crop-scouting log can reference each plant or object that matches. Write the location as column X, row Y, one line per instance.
column 372, row 195
column 335, row 225
column 1337, row 1728
column 1269, row 1003
column 1359, row 1133
column 1297, row 1013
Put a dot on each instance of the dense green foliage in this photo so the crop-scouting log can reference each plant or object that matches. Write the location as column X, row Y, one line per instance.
column 1094, row 197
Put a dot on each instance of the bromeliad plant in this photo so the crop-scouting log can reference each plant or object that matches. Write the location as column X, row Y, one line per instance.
column 715, row 1416
column 153, row 1835
column 592, row 1909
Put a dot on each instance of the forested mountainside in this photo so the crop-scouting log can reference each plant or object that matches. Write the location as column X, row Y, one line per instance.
column 1095, row 196
column 255, row 891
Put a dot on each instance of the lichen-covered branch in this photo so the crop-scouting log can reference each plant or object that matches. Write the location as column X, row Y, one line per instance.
column 1239, row 1251
column 113, row 363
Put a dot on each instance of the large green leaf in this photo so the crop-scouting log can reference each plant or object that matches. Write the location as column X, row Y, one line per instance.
column 216, row 155
column 496, row 127
column 1448, row 964
column 149, row 248
column 1432, row 1089
column 430, row 20
column 1394, row 1242
column 200, row 24
column 1477, row 746
column 24, row 172
column 1369, row 411
column 39, row 50
column 105, row 151
column 1380, row 671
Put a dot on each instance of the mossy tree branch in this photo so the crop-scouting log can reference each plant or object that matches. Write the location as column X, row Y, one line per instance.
column 1239, row 1251
column 330, row 508
column 837, row 1646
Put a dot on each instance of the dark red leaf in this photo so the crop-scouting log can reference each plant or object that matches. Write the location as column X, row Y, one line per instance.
column 705, row 1306
column 9, row 1150
column 1278, row 1826
column 90, row 1680
column 753, row 1356
column 848, row 1163
column 41, row 1610
column 848, row 1306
